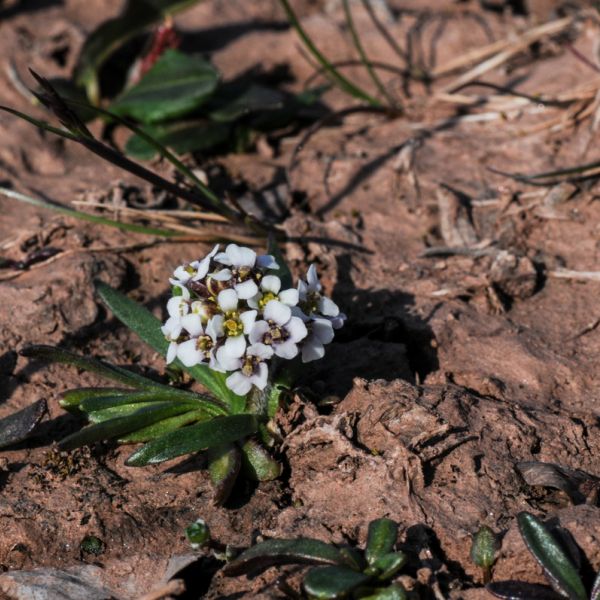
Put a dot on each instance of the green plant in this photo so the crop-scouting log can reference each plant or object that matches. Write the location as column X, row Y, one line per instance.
column 483, row 551
column 556, row 560
column 343, row 572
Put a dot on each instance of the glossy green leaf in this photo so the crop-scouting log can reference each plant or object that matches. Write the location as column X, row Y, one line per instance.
column 278, row 552
column 60, row 355
column 392, row 592
column 283, row 271
column 176, row 85
column 115, row 428
column 165, row 426
column 520, row 590
column 181, row 137
column 112, row 34
column 353, row 558
column 484, row 547
column 122, row 410
column 21, row 424
column 101, row 402
column 380, row 539
column 71, row 399
column 258, row 463
column 332, row 582
column 387, row 565
column 231, row 102
column 224, row 464
column 559, row 570
column 84, row 216
column 220, row 430
column 147, row 326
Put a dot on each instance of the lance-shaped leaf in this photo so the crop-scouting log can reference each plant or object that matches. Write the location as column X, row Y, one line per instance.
column 280, row 552
column 258, row 463
column 220, row 430
column 559, row 570
column 519, row 590
column 147, row 327
column 332, row 582
column 165, row 426
column 122, row 425
column 380, row 539
column 71, row 399
column 53, row 354
column 20, row 425
column 168, row 395
column 123, row 410
column 392, row 592
column 223, row 465
column 175, row 85
column 388, row 565
column 110, row 35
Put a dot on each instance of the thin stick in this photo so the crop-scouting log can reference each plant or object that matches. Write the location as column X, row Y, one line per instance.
column 383, row 31
column 575, row 275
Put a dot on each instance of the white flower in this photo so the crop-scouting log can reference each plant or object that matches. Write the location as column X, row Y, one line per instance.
column 200, row 348
column 235, row 326
column 320, row 332
column 252, row 370
column 270, row 287
column 240, row 263
column 172, row 330
column 195, row 270
column 177, row 306
column 279, row 329
column 310, row 298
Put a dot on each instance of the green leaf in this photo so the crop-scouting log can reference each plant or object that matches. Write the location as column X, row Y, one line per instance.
column 123, row 410
column 332, row 582
column 283, row 271
column 388, row 565
column 176, row 85
column 198, row 534
column 20, row 425
column 181, row 137
column 484, row 547
column 278, row 552
column 220, row 430
column 69, row 90
column 117, row 427
column 147, row 326
column 169, row 395
column 380, row 539
column 60, row 355
column 163, row 427
column 233, row 101
column 559, row 570
column 224, row 463
column 110, row 35
column 392, row 592
column 71, row 399
column 520, row 590
column 83, row 216
column 258, row 463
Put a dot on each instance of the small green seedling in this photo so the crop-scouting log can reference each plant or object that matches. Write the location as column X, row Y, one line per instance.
column 558, row 567
column 341, row 572
column 198, row 534
column 483, row 551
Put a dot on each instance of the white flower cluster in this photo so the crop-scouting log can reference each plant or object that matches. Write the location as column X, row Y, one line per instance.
column 229, row 312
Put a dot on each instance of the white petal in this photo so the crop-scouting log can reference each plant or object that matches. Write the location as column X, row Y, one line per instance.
column 247, row 257
column 313, row 279
column 238, row 383
column 328, row 307
column 214, row 327
column 228, row 300
column 289, row 297
column 181, row 274
column 204, row 264
column 248, row 318
column 172, row 328
column 277, row 312
column 222, row 275
column 229, row 363
column 189, row 354
column 235, row 346
column 223, row 258
column 322, row 330
column 286, row 350
column 297, row 312
column 312, row 350
column 271, row 283
column 171, row 352
column 215, row 365
column 177, row 306
column 192, row 323
column 246, row 289
column 263, row 351
column 297, row 329
column 185, row 293
column 253, row 302
column 338, row 322
column 267, row 261
column 258, row 331
column 260, row 379
column 302, row 290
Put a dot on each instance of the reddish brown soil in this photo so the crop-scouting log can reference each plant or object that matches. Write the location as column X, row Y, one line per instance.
column 451, row 370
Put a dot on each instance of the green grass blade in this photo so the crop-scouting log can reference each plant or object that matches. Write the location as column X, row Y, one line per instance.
column 41, row 124
column 341, row 81
column 221, row 430
column 147, row 327
column 83, row 216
